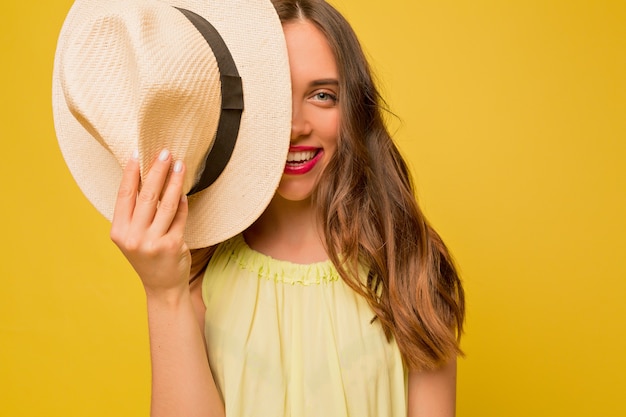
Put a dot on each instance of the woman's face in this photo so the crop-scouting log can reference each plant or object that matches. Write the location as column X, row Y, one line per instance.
column 315, row 118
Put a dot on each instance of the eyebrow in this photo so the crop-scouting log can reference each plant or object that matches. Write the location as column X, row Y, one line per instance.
column 325, row 81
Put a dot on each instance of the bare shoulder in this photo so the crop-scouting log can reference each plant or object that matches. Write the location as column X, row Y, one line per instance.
column 433, row 393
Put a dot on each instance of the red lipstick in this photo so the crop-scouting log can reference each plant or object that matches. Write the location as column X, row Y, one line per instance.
column 302, row 159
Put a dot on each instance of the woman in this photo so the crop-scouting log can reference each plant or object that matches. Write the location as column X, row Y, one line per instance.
column 336, row 299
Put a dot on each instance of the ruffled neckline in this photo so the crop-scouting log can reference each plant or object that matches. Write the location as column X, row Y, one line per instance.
column 266, row 267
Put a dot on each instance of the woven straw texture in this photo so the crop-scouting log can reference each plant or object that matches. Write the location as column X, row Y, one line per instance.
column 137, row 75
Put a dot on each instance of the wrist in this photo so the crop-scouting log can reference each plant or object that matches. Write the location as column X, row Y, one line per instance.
column 168, row 297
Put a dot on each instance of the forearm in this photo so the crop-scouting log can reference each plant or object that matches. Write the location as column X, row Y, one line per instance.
column 182, row 384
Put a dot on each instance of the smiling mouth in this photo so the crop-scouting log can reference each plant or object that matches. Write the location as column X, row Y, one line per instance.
column 300, row 161
column 298, row 158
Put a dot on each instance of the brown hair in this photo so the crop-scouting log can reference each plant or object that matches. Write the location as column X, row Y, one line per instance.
column 367, row 204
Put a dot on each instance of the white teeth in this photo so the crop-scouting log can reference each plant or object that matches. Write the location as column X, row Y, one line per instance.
column 295, row 157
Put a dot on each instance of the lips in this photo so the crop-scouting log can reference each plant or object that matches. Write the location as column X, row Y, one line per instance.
column 302, row 159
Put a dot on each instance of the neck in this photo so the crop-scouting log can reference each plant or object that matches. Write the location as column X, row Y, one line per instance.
column 288, row 230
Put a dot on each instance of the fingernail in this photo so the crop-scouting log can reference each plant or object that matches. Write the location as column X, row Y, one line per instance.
column 164, row 154
column 178, row 166
column 135, row 154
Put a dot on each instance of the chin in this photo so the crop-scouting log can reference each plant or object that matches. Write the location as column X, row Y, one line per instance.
column 293, row 189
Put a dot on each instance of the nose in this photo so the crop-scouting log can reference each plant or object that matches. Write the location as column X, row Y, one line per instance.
column 300, row 125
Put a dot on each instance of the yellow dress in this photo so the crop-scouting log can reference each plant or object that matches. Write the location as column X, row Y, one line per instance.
column 292, row 340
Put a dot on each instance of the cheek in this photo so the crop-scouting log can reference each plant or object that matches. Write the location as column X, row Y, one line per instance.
column 330, row 131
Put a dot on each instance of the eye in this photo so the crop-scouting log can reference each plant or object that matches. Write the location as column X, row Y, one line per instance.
column 325, row 96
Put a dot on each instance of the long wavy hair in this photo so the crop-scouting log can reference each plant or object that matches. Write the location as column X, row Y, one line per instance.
column 367, row 205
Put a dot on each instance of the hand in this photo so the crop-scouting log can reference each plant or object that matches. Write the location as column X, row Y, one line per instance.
column 148, row 226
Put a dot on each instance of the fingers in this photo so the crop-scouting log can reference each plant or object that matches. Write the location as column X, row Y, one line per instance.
column 151, row 190
column 157, row 209
column 180, row 219
column 171, row 210
column 126, row 197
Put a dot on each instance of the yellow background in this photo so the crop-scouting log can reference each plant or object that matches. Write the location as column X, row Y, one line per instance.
column 513, row 117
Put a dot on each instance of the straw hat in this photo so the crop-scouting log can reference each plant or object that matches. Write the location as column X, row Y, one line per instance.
column 148, row 74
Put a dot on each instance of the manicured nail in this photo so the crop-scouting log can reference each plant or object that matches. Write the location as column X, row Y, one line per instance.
column 178, row 166
column 135, row 154
column 164, row 154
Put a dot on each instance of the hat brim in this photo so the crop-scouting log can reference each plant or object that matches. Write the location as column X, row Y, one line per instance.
column 255, row 38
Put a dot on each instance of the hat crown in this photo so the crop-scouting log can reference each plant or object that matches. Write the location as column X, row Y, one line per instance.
column 136, row 80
